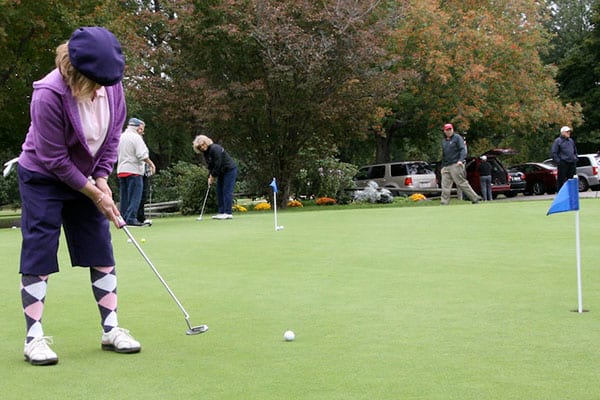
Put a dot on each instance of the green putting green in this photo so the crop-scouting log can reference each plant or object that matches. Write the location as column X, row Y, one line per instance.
column 458, row 302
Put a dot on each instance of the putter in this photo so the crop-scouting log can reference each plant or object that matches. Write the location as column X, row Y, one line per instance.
column 192, row 330
column 203, row 204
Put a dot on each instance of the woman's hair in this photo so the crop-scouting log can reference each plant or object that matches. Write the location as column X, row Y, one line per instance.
column 81, row 87
column 199, row 141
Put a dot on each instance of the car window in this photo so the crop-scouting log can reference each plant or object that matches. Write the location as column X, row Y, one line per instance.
column 583, row 162
column 362, row 174
column 399, row 170
column 418, row 168
column 377, row 172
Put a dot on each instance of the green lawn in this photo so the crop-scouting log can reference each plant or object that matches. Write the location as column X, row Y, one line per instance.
column 459, row 302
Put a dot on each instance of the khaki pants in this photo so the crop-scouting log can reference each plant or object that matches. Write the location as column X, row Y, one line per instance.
column 456, row 173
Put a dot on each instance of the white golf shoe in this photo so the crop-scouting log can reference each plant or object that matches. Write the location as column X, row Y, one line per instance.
column 120, row 341
column 37, row 352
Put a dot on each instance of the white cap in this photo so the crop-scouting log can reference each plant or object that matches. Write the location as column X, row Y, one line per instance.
column 483, row 158
column 565, row 129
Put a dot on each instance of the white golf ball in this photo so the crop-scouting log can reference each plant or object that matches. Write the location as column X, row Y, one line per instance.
column 289, row 336
column 280, row 228
column 128, row 240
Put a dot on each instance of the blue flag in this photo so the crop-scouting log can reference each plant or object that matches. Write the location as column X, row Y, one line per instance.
column 567, row 198
column 274, row 185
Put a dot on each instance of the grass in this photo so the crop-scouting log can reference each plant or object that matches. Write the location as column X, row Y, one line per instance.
column 459, row 302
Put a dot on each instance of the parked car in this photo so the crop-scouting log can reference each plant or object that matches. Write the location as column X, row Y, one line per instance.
column 500, row 178
column 517, row 183
column 540, row 178
column 401, row 177
column 587, row 171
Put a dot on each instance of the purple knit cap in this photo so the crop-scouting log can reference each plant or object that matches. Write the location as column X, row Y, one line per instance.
column 96, row 53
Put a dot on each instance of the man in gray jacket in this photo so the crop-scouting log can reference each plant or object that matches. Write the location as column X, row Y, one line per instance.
column 454, row 153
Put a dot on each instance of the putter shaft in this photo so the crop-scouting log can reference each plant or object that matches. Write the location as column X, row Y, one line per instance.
column 199, row 329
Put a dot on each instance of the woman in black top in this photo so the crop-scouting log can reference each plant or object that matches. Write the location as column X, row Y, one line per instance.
column 221, row 167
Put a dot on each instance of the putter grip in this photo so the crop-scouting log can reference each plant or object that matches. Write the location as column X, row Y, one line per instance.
column 121, row 221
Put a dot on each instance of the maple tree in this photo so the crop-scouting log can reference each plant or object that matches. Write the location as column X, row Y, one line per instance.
column 277, row 81
column 477, row 65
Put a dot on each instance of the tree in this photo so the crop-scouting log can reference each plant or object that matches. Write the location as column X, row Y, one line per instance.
column 29, row 34
column 477, row 65
column 569, row 22
column 578, row 77
column 275, row 80
column 30, row 31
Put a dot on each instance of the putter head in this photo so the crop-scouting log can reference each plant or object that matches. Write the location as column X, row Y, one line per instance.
column 195, row 330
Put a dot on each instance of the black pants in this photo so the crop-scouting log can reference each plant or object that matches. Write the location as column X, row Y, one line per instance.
column 566, row 170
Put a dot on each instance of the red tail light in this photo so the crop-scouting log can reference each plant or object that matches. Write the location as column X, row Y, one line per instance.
column 408, row 181
column 594, row 170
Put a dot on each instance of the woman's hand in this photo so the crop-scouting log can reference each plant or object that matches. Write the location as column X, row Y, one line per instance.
column 100, row 193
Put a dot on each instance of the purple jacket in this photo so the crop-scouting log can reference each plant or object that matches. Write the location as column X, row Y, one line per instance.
column 55, row 144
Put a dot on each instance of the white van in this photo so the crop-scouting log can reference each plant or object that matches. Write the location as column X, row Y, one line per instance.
column 401, row 177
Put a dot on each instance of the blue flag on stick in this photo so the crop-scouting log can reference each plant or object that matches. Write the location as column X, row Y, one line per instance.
column 274, row 185
column 567, row 198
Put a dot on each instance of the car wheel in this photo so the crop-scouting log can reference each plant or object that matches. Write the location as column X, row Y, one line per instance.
column 583, row 184
column 538, row 188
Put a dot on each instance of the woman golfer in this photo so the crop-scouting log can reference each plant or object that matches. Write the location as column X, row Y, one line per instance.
column 222, row 167
column 77, row 114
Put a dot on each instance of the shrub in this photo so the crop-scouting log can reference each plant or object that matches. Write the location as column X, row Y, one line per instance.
column 294, row 203
column 325, row 201
column 262, row 207
column 239, row 208
column 326, row 178
column 9, row 190
column 186, row 182
column 417, row 197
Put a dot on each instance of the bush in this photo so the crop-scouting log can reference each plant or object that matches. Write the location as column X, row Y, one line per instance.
column 325, row 201
column 9, row 190
column 294, row 203
column 186, row 182
column 262, row 207
column 327, row 178
column 9, row 185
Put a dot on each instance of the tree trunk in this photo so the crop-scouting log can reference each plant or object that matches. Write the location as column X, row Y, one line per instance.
column 382, row 153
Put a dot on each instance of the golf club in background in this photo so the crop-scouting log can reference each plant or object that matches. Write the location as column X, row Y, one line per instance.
column 192, row 330
column 204, row 204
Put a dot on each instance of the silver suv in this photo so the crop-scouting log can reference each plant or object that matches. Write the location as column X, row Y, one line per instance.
column 587, row 171
column 402, row 177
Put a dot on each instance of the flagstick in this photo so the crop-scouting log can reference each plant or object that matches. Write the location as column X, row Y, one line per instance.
column 275, row 208
column 579, row 295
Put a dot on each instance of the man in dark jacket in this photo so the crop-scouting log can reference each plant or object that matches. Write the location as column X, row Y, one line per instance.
column 564, row 154
column 454, row 153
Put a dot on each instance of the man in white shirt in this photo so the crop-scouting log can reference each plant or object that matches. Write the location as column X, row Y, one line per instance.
column 133, row 154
